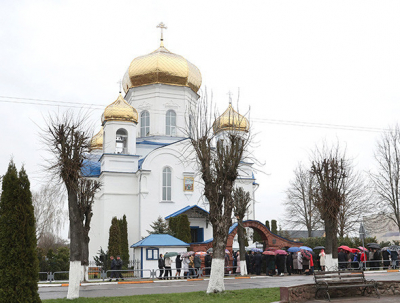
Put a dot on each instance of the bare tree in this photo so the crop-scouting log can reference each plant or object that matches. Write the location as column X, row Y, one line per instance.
column 241, row 203
column 330, row 168
column 386, row 179
column 67, row 138
column 87, row 190
column 48, row 204
column 219, row 162
column 300, row 208
column 356, row 203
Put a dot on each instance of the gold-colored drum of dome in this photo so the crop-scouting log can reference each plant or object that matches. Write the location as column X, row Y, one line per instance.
column 231, row 120
column 97, row 140
column 120, row 110
column 162, row 66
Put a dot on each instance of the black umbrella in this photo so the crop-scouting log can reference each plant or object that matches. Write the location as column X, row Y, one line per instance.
column 319, row 247
column 373, row 245
column 394, row 247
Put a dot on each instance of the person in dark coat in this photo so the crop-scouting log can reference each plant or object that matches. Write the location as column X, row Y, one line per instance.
column 257, row 263
column 234, row 262
column 252, row 267
column 118, row 266
column 393, row 256
column 197, row 264
column 113, row 274
column 385, row 256
column 207, row 263
column 289, row 263
column 271, row 266
column 178, row 262
column 342, row 258
column 280, row 264
column 161, row 266
column 377, row 258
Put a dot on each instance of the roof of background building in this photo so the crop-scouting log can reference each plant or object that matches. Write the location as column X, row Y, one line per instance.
column 158, row 240
column 185, row 209
column 297, row 234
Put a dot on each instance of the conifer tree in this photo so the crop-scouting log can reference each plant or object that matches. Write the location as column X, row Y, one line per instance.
column 267, row 224
column 114, row 240
column 183, row 228
column 19, row 265
column 274, row 227
column 123, row 226
column 159, row 227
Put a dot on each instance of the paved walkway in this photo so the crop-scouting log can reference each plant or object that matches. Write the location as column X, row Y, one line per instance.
column 391, row 299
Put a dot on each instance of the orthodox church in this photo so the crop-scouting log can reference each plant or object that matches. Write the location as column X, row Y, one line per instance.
column 142, row 155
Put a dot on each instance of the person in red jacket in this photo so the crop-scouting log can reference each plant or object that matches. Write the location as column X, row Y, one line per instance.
column 363, row 259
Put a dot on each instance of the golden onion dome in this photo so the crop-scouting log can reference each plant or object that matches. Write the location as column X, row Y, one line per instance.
column 162, row 66
column 97, row 140
column 231, row 120
column 120, row 110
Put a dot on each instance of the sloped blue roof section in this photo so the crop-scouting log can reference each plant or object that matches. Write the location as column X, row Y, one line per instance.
column 158, row 240
column 181, row 211
column 152, row 143
column 91, row 168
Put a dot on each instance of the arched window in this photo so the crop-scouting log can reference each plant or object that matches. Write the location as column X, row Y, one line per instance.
column 144, row 123
column 121, row 142
column 166, row 184
column 170, row 123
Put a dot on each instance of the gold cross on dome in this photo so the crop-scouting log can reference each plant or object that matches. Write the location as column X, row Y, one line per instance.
column 230, row 97
column 120, row 85
column 162, row 26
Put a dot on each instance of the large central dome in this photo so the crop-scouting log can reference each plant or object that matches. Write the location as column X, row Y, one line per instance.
column 162, row 66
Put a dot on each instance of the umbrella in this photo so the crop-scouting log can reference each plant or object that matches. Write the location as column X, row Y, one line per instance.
column 210, row 250
column 269, row 253
column 201, row 253
column 226, row 251
column 386, row 248
column 319, row 247
column 293, row 249
column 374, row 245
column 280, row 252
column 256, row 249
column 170, row 254
column 394, row 247
column 354, row 250
column 306, row 254
column 187, row 254
column 362, row 248
column 344, row 247
column 305, row 248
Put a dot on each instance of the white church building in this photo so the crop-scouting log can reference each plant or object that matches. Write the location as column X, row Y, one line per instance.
column 142, row 156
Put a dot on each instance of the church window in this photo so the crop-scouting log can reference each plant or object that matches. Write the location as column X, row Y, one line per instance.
column 121, row 142
column 170, row 123
column 144, row 123
column 152, row 253
column 166, row 185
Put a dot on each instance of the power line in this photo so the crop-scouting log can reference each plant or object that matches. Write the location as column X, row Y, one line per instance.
column 71, row 104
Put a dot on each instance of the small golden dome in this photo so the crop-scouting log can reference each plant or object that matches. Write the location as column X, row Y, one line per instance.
column 162, row 66
column 231, row 120
column 120, row 110
column 97, row 140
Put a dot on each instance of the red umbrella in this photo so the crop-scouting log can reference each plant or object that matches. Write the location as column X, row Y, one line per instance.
column 354, row 250
column 306, row 254
column 201, row 253
column 344, row 247
column 280, row 252
column 269, row 253
column 363, row 248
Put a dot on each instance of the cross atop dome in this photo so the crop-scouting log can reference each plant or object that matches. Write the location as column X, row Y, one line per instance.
column 162, row 26
column 230, row 97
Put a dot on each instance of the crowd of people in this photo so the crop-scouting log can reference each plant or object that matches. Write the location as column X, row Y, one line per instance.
column 189, row 264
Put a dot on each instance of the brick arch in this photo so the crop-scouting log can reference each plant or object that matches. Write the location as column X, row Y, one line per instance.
column 270, row 239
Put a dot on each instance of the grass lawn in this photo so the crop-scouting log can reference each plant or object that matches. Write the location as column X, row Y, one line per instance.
column 264, row 295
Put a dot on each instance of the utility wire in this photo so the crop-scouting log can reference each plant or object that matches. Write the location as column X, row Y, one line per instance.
column 46, row 102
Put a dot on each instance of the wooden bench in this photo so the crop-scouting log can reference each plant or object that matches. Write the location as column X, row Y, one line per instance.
column 326, row 280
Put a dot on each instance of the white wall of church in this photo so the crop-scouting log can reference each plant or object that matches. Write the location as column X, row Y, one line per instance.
column 157, row 99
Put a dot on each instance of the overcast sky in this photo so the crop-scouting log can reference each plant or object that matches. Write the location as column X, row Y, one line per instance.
column 298, row 64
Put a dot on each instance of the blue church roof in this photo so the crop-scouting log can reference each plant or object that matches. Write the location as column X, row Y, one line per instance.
column 157, row 240
column 181, row 211
column 91, row 168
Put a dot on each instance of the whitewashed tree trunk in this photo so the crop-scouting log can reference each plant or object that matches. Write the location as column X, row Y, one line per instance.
column 243, row 268
column 216, row 283
column 330, row 263
column 85, row 273
column 75, row 272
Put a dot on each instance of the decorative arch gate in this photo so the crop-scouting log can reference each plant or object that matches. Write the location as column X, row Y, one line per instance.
column 270, row 239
